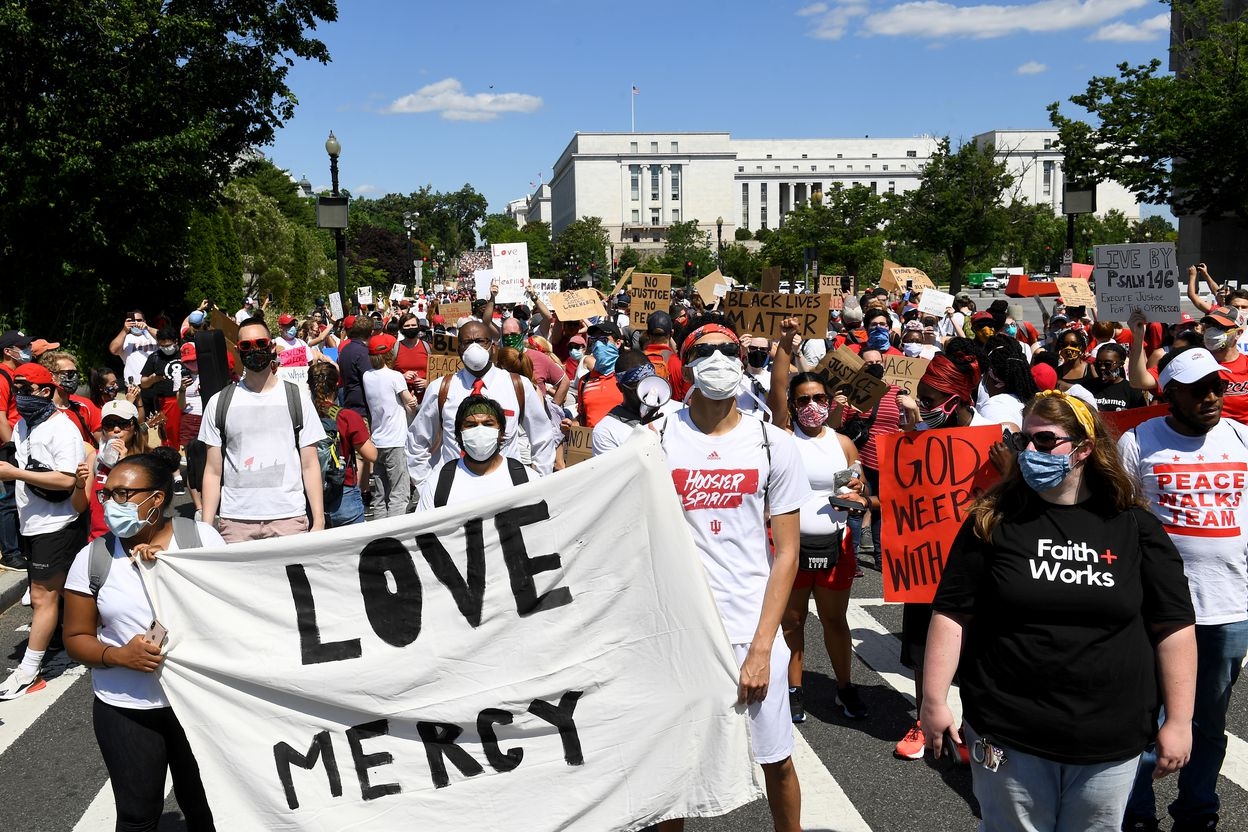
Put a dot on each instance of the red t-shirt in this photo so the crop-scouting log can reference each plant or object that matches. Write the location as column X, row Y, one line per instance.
column 352, row 433
column 85, row 416
column 857, row 348
column 413, row 358
column 8, row 402
column 598, row 395
column 546, row 371
column 1235, row 402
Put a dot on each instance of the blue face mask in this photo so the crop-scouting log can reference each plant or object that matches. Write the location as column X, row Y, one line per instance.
column 123, row 519
column 1043, row 471
column 877, row 338
column 576, row 353
column 291, row 332
column 605, row 355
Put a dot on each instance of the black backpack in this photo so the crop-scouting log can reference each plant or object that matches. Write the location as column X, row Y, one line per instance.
column 329, row 455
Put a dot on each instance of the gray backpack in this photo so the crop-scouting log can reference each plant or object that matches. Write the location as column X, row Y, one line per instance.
column 185, row 532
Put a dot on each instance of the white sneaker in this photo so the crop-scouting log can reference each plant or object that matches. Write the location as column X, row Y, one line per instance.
column 26, row 598
column 19, row 683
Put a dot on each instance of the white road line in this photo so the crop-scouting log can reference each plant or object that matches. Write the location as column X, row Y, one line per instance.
column 1235, row 766
column 19, row 714
column 102, row 813
column 825, row 806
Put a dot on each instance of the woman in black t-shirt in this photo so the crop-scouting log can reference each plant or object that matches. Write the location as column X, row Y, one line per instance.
column 1064, row 609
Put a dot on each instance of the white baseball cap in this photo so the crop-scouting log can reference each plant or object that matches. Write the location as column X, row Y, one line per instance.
column 1190, row 365
column 120, row 408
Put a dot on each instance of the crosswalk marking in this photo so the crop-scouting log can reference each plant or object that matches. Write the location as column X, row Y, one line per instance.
column 102, row 813
column 825, row 806
column 19, row 714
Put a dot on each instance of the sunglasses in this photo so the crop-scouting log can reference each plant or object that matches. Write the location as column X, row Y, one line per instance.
column 255, row 345
column 114, row 422
column 1201, row 389
column 120, row 495
column 818, row 398
column 729, row 348
column 1044, row 440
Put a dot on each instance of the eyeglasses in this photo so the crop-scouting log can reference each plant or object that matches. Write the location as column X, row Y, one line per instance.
column 818, row 398
column 1044, row 440
column 120, row 495
column 1201, row 389
column 114, row 422
column 729, row 348
column 255, row 345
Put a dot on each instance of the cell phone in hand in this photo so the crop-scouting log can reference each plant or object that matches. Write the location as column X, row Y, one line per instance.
column 156, row 633
column 948, row 747
column 851, row 506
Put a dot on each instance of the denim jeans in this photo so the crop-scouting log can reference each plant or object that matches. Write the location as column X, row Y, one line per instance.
column 346, row 510
column 1032, row 794
column 8, row 519
column 137, row 746
column 1220, row 650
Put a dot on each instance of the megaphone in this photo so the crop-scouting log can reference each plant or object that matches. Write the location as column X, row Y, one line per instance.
column 654, row 392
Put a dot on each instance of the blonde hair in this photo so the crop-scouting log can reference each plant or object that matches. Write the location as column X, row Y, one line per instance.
column 49, row 359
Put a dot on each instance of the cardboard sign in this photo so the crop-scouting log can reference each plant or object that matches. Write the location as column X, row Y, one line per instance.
column 544, row 288
column 579, row 445
column 771, row 279
column 511, row 271
column 864, row 391
column 453, row 310
column 443, row 365
column 1075, row 292
column 719, row 290
column 935, row 302
column 577, row 305
column 620, row 284
column 893, row 277
column 928, row 480
column 335, row 306
column 1137, row 276
column 442, row 344
column 398, row 291
column 830, row 284
column 364, row 295
column 904, row 372
column 650, row 293
column 839, row 366
column 706, row 287
column 760, row 313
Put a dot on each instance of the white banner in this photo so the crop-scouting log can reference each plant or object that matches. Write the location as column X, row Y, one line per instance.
column 511, row 271
column 549, row 658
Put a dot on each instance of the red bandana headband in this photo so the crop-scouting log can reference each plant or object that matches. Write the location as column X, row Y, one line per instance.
column 706, row 329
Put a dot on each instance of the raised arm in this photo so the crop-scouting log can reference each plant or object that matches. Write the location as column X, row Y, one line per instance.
column 1193, row 293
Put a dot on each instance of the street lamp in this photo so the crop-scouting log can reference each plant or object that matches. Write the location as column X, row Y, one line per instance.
column 331, row 212
column 409, row 222
column 719, row 238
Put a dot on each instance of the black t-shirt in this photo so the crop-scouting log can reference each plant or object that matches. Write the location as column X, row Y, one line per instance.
column 1117, row 396
column 1057, row 660
column 159, row 364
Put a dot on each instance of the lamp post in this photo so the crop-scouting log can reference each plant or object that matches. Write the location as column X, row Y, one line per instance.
column 719, row 240
column 409, row 222
column 334, row 148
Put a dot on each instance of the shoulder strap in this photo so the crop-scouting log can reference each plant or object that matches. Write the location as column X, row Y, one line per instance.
column 100, row 561
column 444, row 389
column 766, row 447
column 223, row 405
column 5, row 375
column 518, row 386
column 295, row 406
column 186, row 533
column 519, row 476
column 445, row 478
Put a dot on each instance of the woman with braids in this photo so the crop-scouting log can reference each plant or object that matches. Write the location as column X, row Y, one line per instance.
column 1065, row 611
column 1071, row 346
column 1008, row 381
column 107, row 614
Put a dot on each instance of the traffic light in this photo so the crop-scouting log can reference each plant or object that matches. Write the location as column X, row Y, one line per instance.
column 689, row 268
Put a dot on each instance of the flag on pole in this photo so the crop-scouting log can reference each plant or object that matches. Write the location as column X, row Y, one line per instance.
column 635, row 90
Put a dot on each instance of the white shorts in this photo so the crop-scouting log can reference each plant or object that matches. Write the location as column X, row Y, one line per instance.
column 771, row 724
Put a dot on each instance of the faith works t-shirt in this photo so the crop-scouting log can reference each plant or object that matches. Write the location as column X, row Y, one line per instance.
column 1057, row 659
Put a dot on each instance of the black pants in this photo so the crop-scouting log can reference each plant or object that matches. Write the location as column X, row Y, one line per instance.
column 137, row 746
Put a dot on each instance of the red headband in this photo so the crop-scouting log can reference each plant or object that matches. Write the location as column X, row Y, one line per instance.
column 944, row 375
column 706, row 329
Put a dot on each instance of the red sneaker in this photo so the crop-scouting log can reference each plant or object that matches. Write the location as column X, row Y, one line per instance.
column 912, row 744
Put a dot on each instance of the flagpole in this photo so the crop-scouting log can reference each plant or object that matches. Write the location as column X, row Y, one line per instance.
column 632, row 109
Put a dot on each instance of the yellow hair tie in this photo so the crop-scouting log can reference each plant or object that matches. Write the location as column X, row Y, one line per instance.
column 1082, row 413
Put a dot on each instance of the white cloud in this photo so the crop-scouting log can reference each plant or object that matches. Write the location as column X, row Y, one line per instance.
column 1150, row 29
column 366, row 189
column 448, row 98
column 1032, row 68
column 937, row 19
column 832, row 21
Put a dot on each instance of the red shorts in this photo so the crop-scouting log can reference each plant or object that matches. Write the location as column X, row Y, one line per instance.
column 838, row 578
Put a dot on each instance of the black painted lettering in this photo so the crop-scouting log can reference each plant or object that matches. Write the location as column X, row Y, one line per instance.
column 394, row 616
column 522, row 567
column 560, row 716
column 356, row 735
column 439, row 739
column 486, row 720
column 311, row 649
column 322, row 748
column 468, row 591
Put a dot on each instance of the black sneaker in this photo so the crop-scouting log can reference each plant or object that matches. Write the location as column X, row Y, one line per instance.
column 1140, row 823
column 15, row 562
column 1196, row 824
column 851, row 702
column 795, row 705
column 179, row 486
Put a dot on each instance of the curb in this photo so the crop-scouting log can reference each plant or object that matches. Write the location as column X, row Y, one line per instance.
column 12, row 587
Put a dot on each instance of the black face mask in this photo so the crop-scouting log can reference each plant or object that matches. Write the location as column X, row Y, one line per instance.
column 257, row 361
column 875, row 370
column 69, row 381
column 758, row 359
column 411, row 333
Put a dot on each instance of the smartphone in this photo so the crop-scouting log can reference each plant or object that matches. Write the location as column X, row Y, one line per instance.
column 847, row 505
column 156, row 633
column 948, row 748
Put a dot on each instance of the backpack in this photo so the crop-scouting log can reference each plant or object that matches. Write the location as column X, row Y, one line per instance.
column 329, row 455
column 293, row 406
column 100, row 561
column 660, row 364
column 446, row 477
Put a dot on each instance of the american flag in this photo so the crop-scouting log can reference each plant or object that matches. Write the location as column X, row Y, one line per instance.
column 635, row 90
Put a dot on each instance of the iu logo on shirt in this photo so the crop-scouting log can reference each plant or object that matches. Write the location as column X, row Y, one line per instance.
column 716, row 527
column 717, row 488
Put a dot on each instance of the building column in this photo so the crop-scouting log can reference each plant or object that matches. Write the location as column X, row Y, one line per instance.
column 665, row 187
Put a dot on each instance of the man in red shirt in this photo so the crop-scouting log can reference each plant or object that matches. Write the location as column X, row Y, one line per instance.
column 659, row 350
column 597, row 392
column 1221, row 332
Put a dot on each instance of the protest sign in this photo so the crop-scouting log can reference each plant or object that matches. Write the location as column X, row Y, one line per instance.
column 865, row 390
column 293, row 365
column 441, row 364
column 649, row 293
column 622, row 282
column 1075, row 292
column 453, row 310
column 760, row 313
column 398, row 291
column 771, row 279
column 935, row 302
column 1120, row 421
column 928, row 480
column 544, row 288
column 364, row 295
column 1137, row 276
column 894, row 277
column 513, row 661
column 511, row 272
column 904, row 372
column 335, row 306
column 579, row 445
column 577, row 305
column 443, row 344
column 706, row 287
column 830, row 284
column 839, row 366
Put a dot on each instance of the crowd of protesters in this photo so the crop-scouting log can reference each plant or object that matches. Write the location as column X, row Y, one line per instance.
column 316, row 422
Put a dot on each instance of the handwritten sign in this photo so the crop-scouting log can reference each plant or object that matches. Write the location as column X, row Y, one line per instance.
column 904, row 372
column 453, row 310
column 510, row 268
column 577, row 305
column 928, row 480
column 443, row 365
column 935, row 302
column 760, row 313
column 398, row 291
column 650, row 293
column 335, row 305
column 1138, row 276
column 830, row 284
column 865, row 390
column 364, row 295
column 442, row 344
column 579, row 445
column 544, row 288
column 771, row 279
column 1075, row 292
column 839, row 366
column 623, row 281
column 893, row 277
column 706, row 287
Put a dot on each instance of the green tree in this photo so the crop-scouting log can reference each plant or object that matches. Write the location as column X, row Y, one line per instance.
column 742, row 264
column 541, row 250
column 275, row 183
column 742, row 234
column 1034, row 237
column 214, row 268
column 628, row 258
column 578, row 245
column 500, row 228
column 844, row 229
column 1153, row 229
column 686, row 243
column 958, row 207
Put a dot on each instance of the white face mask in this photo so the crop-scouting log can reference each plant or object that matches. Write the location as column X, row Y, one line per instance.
column 480, row 442
column 1215, row 339
column 912, row 350
column 717, row 376
column 476, row 358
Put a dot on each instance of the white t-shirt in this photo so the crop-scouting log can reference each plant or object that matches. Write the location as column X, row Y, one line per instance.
column 721, row 482
column 57, row 444
column 822, row 457
column 261, row 475
column 386, row 413
column 1002, row 408
column 1195, row 485
column 125, row 612
column 469, row 486
column 611, row 432
column 135, row 350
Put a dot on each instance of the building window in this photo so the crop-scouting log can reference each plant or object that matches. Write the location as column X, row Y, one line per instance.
column 636, row 238
column 632, row 147
column 675, row 176
column 636, row 216
column 777, row 167
column 875, row 155
column 745, row 205
column 875, row 187
column 849, row 167
column 654, row 147
column 654, row 183
column 883, row 167
column 654, row 216
column 912, row 154
column 1048, row 178
column 768, row 155
column 762, row 217
column 853, row 184
column 740, row 168
column 657, row 238
column 892, row 187
column 1048, row 144
column 866, row 167
column 903, row 167
column 634, row 181
column 831, row 167
column 675, row 215
column 795, row 167
column 675, row 147
column 838, row 155
column 803, row 155
column 814, row 167
column 762, row 193
column 759, row 168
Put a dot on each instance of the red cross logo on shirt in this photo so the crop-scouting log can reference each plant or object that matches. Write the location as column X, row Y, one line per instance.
column 1109, row 557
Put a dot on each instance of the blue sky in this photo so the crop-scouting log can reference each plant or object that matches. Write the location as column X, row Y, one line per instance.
column 490, row 93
